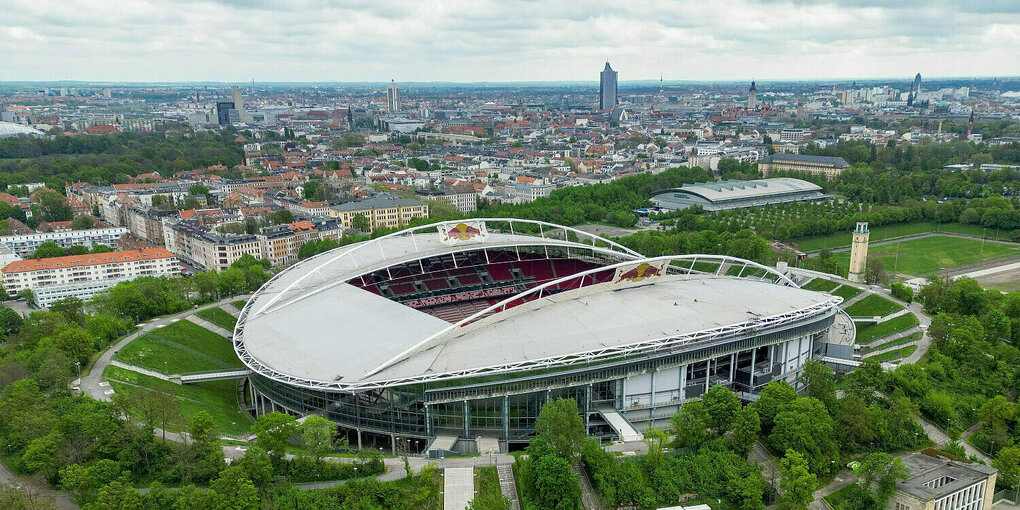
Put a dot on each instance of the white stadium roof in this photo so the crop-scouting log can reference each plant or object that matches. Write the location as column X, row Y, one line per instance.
column 716, row 191
column 12, row 129
column 310, row 328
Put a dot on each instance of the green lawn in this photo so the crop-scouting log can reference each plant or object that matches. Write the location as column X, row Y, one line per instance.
column 871, row 306
column 239, row 304
column 897, row 354
column 867, row 333
column 487, row 484
column 842, row 239
column 179, row 348
column 913, row 337
column 921, row 257
column 216, row 397
column 219, row 317
column 847, row 292
column 820, row 284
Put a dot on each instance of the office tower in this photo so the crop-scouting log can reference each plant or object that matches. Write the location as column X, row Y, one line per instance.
column 223, row 113
column 235, row 93
column 392, row 98
column 859, row 252
column 607, row 88
column 752, row 97
column 915, row 89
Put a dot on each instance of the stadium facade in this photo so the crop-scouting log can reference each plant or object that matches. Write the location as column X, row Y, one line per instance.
column 445, row 336
column 727, row 195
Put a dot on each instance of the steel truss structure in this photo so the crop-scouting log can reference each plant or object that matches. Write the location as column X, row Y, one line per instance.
column 683, row 264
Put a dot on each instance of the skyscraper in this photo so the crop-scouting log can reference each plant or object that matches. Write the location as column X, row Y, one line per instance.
column 607, row 88
column 752, row 97
column 915, row 89
column 392, row 98
column 235, row 93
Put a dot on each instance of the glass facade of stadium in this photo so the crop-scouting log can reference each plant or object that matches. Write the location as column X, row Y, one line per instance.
column 644, row 390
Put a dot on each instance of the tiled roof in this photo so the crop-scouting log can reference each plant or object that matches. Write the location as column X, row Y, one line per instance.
column 92, row 259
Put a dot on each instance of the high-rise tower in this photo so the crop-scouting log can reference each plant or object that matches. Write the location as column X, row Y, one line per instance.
column 859, row 252
column 235, row 94
column 607, row 88
column 392, row 98
column 915, row 89
column 752, row 97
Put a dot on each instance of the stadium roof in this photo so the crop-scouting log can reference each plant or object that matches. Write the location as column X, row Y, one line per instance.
column 310, row 328
column 717, row 191
column 12, row 129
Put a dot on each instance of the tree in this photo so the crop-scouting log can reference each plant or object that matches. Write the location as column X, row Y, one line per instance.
column 796, row 483
column 207, row 456
column 722, row 405
column 806, row 427
column 878, row 474
column 10, row 321
column 47, row 250
column 318, row 435
column 820, row 382
column 78, row 250
column 272, row 430
column 101, row 248
column 902, row 292
column 1008, row 464
column 72, row 308
column 4, row 296
column 28, row 295
column 282, row 216
column 557, row 487
column 361, row 222
column 775, row 396
column 82, row 223
column 161, row 202
column 52, row 206
column 74, row 341
column 560, row 425
column 855, row 424
column 746, row 427
column 311, row 189
column 689, row 427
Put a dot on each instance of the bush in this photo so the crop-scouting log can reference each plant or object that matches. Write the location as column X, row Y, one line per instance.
column 902, row 292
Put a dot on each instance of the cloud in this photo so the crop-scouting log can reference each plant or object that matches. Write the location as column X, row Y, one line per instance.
column 503, row 40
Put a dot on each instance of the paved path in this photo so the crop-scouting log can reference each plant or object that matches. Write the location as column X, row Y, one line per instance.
column 210, row 326
column 35, row 487
column 939, row 436
column 459, row 488
column 91, row 383
column 589, row 498
column 895, row 336
column 842, row 479
column 231, row 309
column 848, row 302
column 507, row 485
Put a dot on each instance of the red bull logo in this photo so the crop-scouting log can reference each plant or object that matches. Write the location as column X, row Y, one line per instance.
column 462, row 232
column 642, row 271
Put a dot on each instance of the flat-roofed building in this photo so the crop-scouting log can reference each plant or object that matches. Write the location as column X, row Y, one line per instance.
column 26, row 244
column 206, row 249
column 726, row 195
column 828, row 166
column 382, row 211
column 83, row 276
column 940, row 483
column 281, row 243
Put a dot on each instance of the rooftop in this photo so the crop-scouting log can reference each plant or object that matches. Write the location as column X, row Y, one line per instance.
column 950, row 476
column 836, row 162
column 96, row 259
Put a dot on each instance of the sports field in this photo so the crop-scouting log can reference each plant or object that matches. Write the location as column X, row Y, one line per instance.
column 879, row 233
column 922, row 257
column 180, row 348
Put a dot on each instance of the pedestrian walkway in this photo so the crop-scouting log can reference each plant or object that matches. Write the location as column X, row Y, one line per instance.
column 231, row 309
column 459, row 488
column 140, row 370
column 487, row 445
column 210, row 326
column 845, row 304
column 507, row 485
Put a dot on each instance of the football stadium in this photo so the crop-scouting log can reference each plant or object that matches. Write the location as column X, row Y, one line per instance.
column 450, row 337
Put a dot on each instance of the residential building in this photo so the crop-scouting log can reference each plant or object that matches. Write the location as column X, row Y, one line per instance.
column 382, row 211
column 206, row 249
column 83, row 276
column 828, row 166
column 607, row 88
column 941, row 483
column 147, row 224
column 463, row 198
column 26, row 244
column 280, row 244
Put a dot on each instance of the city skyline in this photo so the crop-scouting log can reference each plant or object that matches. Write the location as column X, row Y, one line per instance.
column 769, row 40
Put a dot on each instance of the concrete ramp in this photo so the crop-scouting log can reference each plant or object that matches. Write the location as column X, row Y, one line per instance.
column 487, row 444
column 442, row 446
column 623, row 428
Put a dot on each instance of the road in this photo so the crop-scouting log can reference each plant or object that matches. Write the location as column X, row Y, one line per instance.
column 35, row 488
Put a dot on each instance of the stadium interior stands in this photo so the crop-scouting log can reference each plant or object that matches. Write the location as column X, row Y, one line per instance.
column 455, row 287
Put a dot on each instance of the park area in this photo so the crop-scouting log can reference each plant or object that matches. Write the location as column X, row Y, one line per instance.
column 883, row 232
column 922, row 257
column 180, row 348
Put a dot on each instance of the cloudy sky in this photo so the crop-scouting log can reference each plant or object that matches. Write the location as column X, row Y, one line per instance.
column 504, row 40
